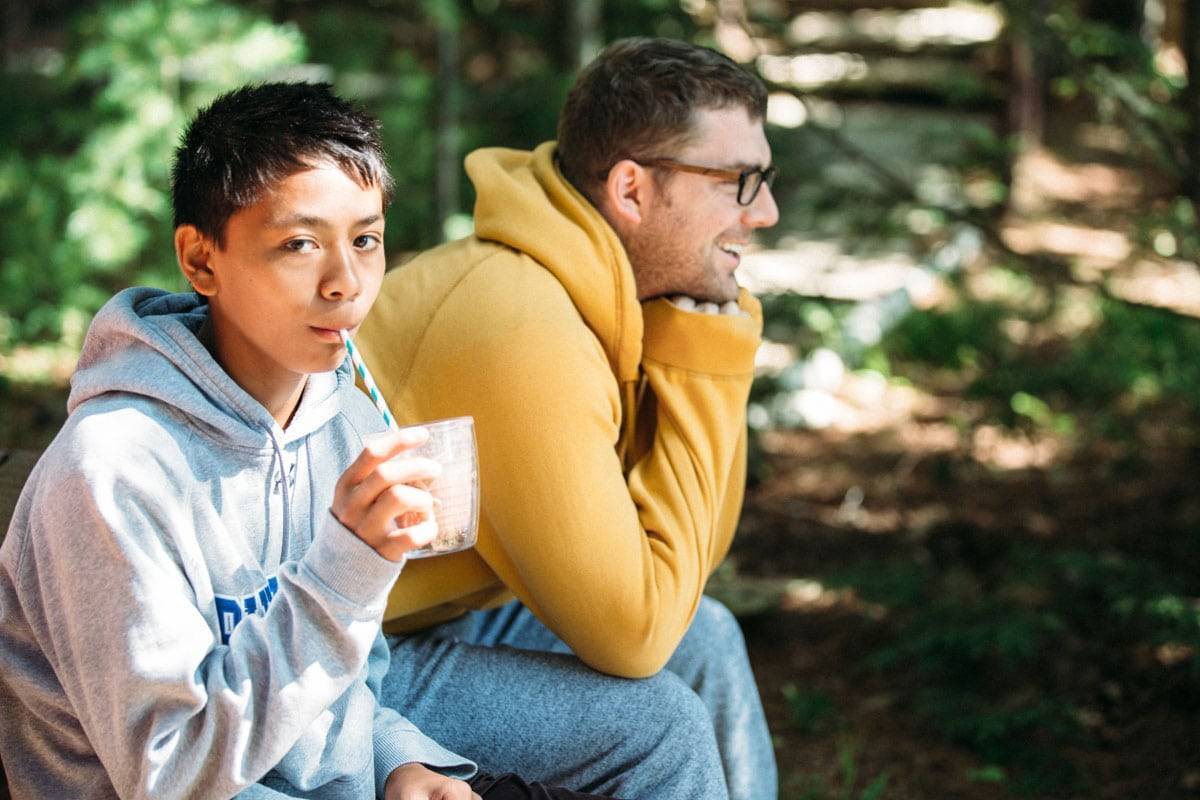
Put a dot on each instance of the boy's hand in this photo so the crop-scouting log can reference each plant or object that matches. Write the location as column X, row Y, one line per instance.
column 384, row 499
column 418, row 782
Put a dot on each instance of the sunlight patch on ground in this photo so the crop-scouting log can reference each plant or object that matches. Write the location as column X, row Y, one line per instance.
column 1041, row 180
column 824, row 269
column 771, row 358
column 1173, row 285
column 42, row 364
column 806, row 595
column 1013, row 450
column 957, row 24
column 1098, row 248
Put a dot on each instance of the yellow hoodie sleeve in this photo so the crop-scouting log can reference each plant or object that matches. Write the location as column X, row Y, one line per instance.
column 614, row 563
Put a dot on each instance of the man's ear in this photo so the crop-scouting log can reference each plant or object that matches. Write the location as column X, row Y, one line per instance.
column 627, row 193
column 194, row 252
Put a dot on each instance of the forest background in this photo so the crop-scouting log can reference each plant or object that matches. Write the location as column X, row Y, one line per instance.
column 967, row 566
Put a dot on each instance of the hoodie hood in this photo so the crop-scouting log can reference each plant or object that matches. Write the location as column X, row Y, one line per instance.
column 148, row 342
column 577, row 245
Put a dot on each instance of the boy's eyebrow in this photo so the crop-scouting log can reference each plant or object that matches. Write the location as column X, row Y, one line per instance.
column 316, row 222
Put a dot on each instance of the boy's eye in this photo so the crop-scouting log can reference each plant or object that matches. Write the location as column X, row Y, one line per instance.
column 300, row 245
column 367, row 242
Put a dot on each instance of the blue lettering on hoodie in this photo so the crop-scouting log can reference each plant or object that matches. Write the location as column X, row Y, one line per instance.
column 231, row 610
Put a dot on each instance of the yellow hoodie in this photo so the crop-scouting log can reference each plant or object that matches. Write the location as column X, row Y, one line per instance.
column 612, row 434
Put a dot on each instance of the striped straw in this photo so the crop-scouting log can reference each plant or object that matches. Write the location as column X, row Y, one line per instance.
column 364, row 373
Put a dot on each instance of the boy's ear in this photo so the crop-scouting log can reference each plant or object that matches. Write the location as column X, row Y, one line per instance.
column 194, row 252
column 626, row 193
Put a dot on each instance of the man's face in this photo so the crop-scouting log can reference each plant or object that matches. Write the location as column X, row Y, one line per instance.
column 302, row 263
column 692, row 234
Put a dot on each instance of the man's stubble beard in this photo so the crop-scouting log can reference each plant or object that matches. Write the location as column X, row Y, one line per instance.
column 665, row 266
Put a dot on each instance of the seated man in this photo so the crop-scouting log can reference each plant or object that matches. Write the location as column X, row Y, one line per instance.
column 190, row 595
column 593, row 327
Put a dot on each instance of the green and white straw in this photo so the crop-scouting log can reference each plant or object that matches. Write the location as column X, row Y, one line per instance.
column 364, row 373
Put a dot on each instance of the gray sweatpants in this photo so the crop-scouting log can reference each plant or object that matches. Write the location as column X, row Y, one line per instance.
column 500, row 688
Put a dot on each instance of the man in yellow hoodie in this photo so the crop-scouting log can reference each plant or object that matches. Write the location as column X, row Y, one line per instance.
column 593, row 328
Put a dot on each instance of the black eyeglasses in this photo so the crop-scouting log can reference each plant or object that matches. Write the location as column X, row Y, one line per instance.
column 749, row 181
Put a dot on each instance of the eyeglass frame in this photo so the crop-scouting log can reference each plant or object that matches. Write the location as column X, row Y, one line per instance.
column 766, row 175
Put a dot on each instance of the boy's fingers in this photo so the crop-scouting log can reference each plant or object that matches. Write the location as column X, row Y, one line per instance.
column 382, row 447
column 355, row 501
column 400, row 541
column 415, row 471
column 417, row 535
column 391, row 504
column 379, row 453
column 364, row 508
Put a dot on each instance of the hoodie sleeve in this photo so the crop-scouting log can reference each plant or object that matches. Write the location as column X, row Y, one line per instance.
column 398, row 741
column 109, row 573
column 612, row 556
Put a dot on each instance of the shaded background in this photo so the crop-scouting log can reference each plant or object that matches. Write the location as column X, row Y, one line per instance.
column 967, row 566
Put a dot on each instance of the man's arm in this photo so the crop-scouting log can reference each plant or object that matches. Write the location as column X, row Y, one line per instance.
column 614, row 562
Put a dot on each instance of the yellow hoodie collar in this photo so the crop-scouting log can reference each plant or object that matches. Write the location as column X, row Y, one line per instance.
column 525, row 203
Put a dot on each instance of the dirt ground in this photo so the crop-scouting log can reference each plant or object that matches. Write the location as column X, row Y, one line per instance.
column 917, row 475
column 797, row 524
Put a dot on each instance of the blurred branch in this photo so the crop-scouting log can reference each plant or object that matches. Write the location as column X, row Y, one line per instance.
column 891, row 178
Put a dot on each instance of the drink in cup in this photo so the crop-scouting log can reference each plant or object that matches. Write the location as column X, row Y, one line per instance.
column 451, row 444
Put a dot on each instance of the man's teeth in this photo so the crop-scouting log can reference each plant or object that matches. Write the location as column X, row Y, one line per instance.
column 730, row 247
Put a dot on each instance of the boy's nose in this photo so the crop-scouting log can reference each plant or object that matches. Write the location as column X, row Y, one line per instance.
column 341, row 279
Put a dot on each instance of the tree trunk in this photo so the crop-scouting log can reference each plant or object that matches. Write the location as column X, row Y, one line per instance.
column 1191, row 96
column 1124, row 15
column 1027, row 106
column 576, row 33
column 16, row 31
column 448, row 110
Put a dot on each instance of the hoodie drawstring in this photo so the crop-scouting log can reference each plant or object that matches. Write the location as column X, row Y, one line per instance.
column 285, row 489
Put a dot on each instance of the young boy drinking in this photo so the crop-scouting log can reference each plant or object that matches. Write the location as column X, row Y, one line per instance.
column 191, row 587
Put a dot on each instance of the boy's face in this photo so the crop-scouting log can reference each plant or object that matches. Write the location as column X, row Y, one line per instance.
column 297, row 266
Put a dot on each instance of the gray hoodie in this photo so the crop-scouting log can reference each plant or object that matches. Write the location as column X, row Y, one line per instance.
column 180, row 613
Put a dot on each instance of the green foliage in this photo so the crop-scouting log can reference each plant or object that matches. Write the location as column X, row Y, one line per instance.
column 803, row 321
column 1144, row 354
column 967, row 337
column 1115, row 69
column 811, row 711
column 814, row 787
column 400, row 88
column 1170, row 230
column 1129, row 357
column 84, row 186
column 974, row 639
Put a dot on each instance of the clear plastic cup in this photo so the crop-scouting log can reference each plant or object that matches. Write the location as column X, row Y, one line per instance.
column 451, row 443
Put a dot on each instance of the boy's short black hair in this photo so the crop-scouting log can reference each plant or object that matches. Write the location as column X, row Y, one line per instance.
column 249, row 139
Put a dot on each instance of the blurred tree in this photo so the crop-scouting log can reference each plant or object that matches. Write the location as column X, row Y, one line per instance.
column 85, row 151
column 1191, row 96
column 578, row 26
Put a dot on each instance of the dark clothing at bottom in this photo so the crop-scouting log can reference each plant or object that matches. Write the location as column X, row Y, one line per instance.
column 511, row 787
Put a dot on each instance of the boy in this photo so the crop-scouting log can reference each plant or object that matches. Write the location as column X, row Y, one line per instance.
column 190, row 595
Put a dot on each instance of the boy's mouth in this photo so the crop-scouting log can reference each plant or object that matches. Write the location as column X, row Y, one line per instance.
column 329, row 334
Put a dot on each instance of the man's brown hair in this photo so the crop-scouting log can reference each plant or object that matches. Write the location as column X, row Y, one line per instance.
column 637, row 100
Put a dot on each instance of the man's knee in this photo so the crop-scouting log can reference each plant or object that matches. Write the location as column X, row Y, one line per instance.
column 716, row 624
column 713, row 645
column 672, row 729
column 681, row 709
